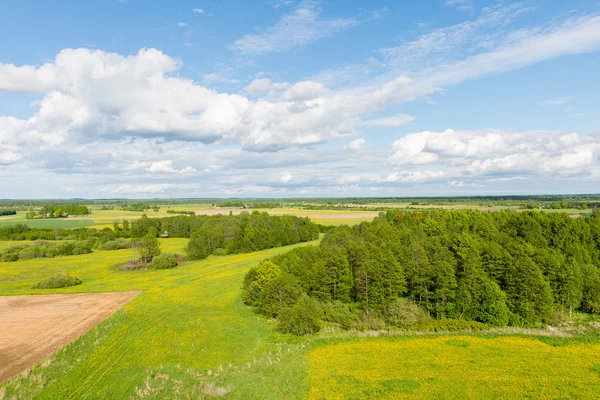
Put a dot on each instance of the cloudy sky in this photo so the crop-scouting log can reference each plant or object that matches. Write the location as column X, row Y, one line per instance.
column 296, row 98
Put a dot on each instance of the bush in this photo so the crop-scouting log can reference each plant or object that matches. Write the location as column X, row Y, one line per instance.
column 117, row 244
column 220, row 252
column 302, row 318
column 342, row 313
column 58, row 281
column 164, row 261
column 403, row 312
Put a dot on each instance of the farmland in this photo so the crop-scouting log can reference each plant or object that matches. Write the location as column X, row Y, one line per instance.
column 189, row 334
column 455, row 367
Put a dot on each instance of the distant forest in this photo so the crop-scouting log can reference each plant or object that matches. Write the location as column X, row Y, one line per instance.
column 499, row 269
column 524, row 201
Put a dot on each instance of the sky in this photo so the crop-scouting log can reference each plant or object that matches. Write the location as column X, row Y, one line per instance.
column 298, row 98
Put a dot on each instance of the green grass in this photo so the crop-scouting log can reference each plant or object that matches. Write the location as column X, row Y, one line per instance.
column 189, row 334
column 189, row 320
column 44, row 223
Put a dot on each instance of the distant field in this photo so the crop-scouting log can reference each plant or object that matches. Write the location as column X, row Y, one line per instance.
column 105, row 218
column 454, row 367
column 44, row 223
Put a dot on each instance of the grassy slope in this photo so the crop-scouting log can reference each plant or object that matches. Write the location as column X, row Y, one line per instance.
column 189, row 330
column 187, row 321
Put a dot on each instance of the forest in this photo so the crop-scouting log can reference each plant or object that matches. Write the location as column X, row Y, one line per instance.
column 218, row 234
column 498, row 269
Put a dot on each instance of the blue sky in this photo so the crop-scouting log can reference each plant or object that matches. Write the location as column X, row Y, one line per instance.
column 294, row 98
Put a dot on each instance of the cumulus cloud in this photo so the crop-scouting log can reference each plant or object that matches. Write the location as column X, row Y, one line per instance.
column 9, row 157
column 91, row 94
column 198, row 11
column 306, row 90
column 166, row 167
column 355, row 144
column 264, row 85
column 488, row 153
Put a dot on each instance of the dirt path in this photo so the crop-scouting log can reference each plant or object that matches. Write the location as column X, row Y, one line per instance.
column 34, row 327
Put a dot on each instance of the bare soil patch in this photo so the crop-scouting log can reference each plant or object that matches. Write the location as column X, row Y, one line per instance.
column 34, row 327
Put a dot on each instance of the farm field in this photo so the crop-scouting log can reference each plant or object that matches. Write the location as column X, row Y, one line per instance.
column 454, row 367
column 44, row 223
column 34, row 327
column 188, row 334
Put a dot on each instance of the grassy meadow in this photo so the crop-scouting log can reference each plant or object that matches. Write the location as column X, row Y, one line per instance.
column 190, row 336
column 454, row 367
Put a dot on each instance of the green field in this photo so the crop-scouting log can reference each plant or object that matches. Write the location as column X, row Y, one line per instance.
column 190, row 336
column 44, row 223
column 459, row 367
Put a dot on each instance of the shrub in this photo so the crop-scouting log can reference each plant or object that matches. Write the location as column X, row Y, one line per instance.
column 220, row 252
column 57, row 281
column 302, row 318
column 117, row 244
column 343, row 313
column 403, row 312
column 164, row 261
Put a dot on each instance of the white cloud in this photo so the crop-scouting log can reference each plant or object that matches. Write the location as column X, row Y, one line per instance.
column 485, row 153
column 198, row 11
column 182, row 24
column 137, row 189
column 264, row 85
column 298, row 28
column 305, row 90
column 415, row 177
column 396, row 120
column 9, row 157
column 355, row 144
column 166, row 167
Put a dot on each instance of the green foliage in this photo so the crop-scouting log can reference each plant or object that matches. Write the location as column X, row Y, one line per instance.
column 278, row 293
column 57, row 281
column 256, row 279
column 116, row 244
column 302, row 318
column 498, row 269
column 164, row 261
column 8, row 212
column 44, row 249
column 148, row 247
column 234, row 234
column 404, row 313
column 345, row 314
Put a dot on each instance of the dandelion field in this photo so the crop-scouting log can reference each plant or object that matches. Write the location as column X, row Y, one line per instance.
column 455, row 367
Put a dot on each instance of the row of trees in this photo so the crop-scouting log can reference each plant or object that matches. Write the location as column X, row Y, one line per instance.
column 8, row 212
column 495, row 268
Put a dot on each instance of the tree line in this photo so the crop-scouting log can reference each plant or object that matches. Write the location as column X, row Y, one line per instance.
column 502, row 268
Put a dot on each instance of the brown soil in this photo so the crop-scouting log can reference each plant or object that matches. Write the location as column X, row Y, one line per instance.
column 34, row 327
